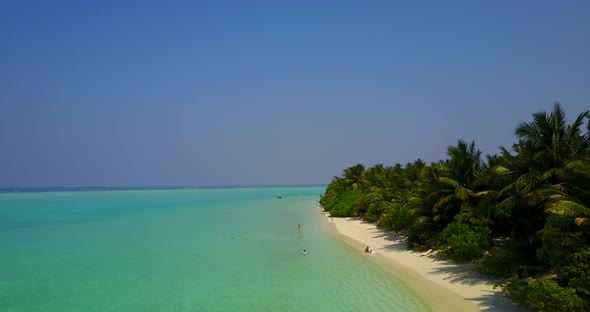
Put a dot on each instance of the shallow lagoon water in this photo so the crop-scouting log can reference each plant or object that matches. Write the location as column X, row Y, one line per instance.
column 157, row 250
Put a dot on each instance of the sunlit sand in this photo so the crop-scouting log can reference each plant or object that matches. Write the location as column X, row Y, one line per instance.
column 446, row 285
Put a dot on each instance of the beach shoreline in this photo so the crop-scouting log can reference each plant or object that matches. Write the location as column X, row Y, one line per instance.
column 446, row 285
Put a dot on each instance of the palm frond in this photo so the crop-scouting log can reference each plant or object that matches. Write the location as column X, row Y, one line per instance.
column 566, row 207
column 448, row 181
column 463, row 193
column 550, row 231
column 508, row 202
column 443, row 202
column 418, row 212
column 420, row 220
column 501, row 170
column 551, row 172
column 488, row 193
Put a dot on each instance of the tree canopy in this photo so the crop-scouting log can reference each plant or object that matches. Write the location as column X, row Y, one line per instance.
column 521, row 213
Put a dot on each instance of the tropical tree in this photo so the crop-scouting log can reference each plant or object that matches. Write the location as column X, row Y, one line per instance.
column 547, row 144
column 457, row 181
column 550, row 142
column 335, row 189
column 571, row 195
column 354, row 176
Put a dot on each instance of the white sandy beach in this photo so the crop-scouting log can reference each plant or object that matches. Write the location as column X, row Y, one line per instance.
column 475, row 291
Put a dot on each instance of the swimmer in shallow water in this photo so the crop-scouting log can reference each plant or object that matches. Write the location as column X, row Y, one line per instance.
column 304, row 252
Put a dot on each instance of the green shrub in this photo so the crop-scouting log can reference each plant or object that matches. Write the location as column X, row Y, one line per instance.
column 422, row 236
column 328, row 202
column 500, row 262
column 376, row 210
column 396, row 218
column 543, row 294
column 561, row 238
column 464, row 242
column 579, row 273
column 346, row 203
column 363, row 204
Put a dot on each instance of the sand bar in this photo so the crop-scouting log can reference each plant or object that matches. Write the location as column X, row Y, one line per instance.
column 475, row 290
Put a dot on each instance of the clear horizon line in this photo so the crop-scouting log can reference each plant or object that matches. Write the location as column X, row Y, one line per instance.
column 151, row 187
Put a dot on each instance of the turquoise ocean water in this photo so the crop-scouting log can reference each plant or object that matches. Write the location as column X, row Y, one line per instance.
column 157, row 250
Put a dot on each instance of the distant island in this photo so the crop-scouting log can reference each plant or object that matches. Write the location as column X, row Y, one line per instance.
column 521, row 214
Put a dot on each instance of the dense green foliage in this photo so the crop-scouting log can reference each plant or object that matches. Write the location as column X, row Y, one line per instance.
column 544, row 294
column 522, row 213
column 465, row 241
column 346, row 203
column 501, row 262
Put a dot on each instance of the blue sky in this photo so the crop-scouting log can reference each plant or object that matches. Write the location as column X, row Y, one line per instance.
column 272, row 92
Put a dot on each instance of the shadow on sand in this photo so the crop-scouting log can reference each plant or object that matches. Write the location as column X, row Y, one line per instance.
column 452, row 272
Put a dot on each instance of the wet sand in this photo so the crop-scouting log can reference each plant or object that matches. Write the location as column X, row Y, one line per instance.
column 445, row 285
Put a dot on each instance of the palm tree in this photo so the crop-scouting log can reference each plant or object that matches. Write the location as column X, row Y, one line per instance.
column 381, row 185
column 354, row 176
column 375, row 177
column 457, row 181
column 336, row 187
column 464, row 162
column 493, row 177
column 551, row 142
column 533, row 181
column 571, row 196
column 427, row 193
column 412, row 170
